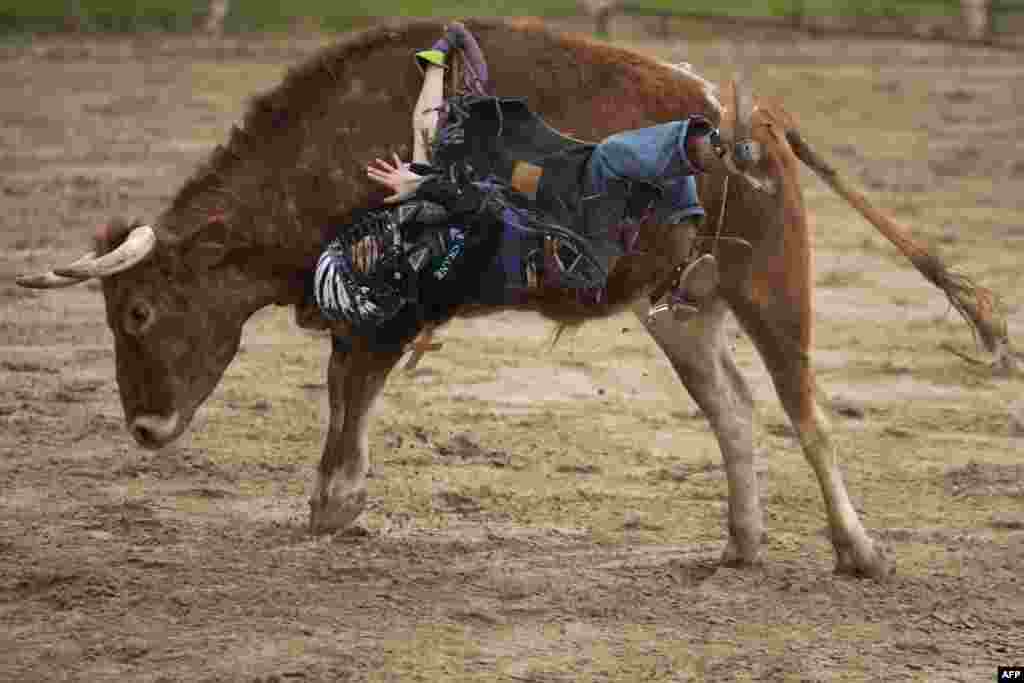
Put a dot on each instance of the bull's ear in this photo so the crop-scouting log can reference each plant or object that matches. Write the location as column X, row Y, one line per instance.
column 202, row 255
column 207, row 247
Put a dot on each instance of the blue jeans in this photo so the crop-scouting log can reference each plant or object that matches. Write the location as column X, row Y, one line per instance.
column 654, row 155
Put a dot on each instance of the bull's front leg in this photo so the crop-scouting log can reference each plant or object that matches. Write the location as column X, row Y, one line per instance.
column 355, row 378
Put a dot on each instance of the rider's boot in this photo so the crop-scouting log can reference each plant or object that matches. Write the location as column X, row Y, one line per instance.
column 694, row 285
column 458, row 37
column 698, row 279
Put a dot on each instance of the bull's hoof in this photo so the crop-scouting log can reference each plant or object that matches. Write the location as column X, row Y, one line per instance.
column 335, row 514
column 733, row 557
column 737, row 557
column 868, row 562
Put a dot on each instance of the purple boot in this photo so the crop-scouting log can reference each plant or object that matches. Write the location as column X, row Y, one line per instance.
column 476, row 79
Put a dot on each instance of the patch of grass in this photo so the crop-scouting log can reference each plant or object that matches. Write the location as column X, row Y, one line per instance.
column 814, row 8
column 262, row 15
column 440, row 648
column 841, row 278
column 97, row 15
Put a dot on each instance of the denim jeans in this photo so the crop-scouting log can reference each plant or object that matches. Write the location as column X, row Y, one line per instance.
column 655, row 155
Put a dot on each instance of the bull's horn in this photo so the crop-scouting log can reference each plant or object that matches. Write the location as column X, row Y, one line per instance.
column 48, row 280
column 75, row 265
column 745, row 151
column 139, row 244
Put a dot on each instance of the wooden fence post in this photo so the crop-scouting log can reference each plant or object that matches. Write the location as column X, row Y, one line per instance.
column 214, row 22
column 977, row 16
column 73, row 20
column 601, row 12
column 798, row 14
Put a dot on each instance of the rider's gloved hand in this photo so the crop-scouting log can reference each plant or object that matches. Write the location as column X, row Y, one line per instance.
column 423, row 169
column 456, row 198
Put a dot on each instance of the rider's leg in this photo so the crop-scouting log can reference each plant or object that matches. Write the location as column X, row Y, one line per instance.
column 427, row 112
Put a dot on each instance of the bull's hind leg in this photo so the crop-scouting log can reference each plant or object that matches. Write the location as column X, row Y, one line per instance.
column 781, row 332
column 355, row 378
column 701, row 356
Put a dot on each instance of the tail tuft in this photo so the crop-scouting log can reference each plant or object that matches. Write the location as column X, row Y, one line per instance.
column 978, row 305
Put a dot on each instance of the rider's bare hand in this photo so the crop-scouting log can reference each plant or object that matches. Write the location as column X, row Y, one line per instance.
column 396, row 177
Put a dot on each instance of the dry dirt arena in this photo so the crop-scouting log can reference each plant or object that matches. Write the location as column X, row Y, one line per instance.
column 537, row 514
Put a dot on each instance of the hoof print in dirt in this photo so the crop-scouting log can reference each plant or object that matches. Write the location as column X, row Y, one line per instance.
column 1007, row 520
column 1017, row 419
column 578, row 468
column 28, row 367
column 461, row 448
column 457, row 502
column 354, row 531
column 208, row 492
column 986, row 479
column 634, row 520
column 848, row 408
column 780, row 429
column 132, row 648
column 677, row 473
column 898, row 432
column 681, row 472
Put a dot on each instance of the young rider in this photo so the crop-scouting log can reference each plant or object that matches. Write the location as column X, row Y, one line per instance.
column 663, row 157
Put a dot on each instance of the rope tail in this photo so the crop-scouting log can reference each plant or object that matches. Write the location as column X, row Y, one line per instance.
column 978, row 305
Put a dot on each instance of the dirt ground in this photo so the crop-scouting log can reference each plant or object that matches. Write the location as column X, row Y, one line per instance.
column 537, row 514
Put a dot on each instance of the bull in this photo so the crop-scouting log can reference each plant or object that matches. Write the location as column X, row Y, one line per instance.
column 244, row 231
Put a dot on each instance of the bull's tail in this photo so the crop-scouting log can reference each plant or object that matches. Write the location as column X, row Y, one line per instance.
column 978, row 305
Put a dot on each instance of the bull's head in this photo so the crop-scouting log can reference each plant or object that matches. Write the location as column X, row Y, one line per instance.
column 176, row 309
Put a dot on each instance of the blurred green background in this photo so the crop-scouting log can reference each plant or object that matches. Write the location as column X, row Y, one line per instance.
column 336, row 15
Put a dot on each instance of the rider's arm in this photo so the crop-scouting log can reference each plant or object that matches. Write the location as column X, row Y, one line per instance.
column 399, row 178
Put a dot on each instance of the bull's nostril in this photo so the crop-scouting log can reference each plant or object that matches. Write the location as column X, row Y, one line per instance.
column 142, row 434
column 153, row 431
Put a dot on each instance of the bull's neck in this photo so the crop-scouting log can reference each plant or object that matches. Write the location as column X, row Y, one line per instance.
column 264, row 206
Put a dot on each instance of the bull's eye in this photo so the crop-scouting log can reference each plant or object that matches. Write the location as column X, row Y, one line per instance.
column 139, row 318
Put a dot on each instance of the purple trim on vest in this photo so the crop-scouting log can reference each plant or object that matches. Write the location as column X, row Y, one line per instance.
column 591, row 296
column 510, row 252
column 626, row 233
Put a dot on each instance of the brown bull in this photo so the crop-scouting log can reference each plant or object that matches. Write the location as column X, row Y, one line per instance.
column 245, row 230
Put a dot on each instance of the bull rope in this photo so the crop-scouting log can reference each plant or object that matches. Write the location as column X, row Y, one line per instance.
column 721, row 216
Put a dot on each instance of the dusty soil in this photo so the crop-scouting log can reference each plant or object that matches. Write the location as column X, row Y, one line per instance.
column 537, row 514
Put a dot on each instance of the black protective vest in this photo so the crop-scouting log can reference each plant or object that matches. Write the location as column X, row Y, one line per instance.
column 500, row 132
